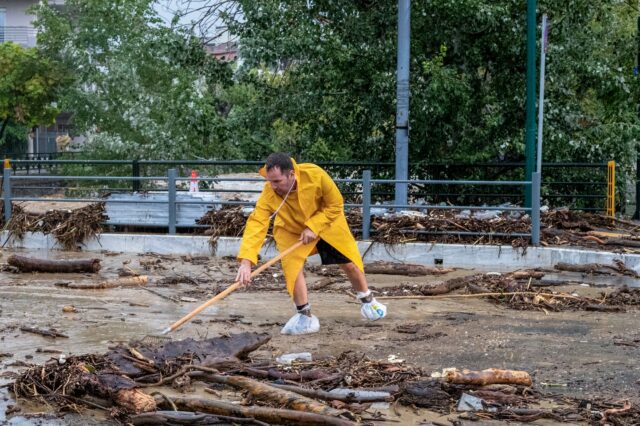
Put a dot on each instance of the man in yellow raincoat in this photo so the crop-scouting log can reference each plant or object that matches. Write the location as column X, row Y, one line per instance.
column 307, row 207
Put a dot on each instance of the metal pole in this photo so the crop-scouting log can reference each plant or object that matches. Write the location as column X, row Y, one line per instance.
column 636, row 216
column 366, row 204
column 543, row 60
column 402, row 106
column 535, row 209
column 530, row 130
column 6, row 188
column 172, row 200
column 135, row 172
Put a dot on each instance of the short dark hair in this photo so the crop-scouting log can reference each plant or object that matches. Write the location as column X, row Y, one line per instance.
column 281, row 160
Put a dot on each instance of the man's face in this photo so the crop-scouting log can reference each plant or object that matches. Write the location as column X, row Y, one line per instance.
column 281, row 182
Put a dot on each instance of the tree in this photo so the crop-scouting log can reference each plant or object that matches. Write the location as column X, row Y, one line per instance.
column 146, row 90
column 322, row 74
column 29, row 87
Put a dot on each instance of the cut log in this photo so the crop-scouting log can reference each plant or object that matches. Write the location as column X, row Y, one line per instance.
column 521, row 275
column 597, row 268
column 488, row 377
column 283, row 398
column 587, row 268
column 121, row 282
column 603, row 308
column 328, row 396
column 325, row 282
column 135, row 401
column 28, row 264
column 273, row 373
column 46, row 333
column 266, row 414
column 444, row 287
column 607, row 234
column 622, row 242
column 189, row 418
column 389, row 268
column 426, row 393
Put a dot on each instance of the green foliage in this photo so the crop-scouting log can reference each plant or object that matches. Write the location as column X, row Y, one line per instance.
column 319, row 79
column 137, row 81
column 15, row 138
column 28, row 88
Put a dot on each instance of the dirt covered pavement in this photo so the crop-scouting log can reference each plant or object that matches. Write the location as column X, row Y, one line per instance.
column 574, row 353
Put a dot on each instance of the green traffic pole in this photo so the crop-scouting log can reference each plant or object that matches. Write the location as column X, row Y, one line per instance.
column 530, row 129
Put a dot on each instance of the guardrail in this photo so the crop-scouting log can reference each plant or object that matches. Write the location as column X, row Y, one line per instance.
column 366, row 183
column 579, row 186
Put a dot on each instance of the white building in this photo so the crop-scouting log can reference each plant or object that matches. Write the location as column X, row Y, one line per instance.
column 15, row 21
column 16, row 26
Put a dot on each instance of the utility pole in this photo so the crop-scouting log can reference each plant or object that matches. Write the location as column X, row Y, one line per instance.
column 402, row 105
column 530, row 129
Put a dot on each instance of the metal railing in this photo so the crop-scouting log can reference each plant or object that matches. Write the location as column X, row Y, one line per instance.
column 366, row 183
column 26, row 36
column 579, row 186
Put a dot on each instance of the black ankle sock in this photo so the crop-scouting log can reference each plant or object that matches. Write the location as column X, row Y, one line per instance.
column 303, row 307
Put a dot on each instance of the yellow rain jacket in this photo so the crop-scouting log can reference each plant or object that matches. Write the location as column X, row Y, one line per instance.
column 317, row 204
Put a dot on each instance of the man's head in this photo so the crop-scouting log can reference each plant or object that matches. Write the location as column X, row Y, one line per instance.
column 280, row 173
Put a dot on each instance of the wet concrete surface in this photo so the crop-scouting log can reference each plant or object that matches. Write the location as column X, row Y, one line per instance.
column 566, row 352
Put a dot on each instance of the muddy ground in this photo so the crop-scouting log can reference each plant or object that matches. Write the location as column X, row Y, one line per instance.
column 573, row 353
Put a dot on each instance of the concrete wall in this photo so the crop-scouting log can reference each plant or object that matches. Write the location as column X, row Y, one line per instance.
column 495, row 258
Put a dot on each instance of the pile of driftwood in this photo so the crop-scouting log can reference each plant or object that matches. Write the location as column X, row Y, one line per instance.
column 69, row 227
column 559, row 227
column 229, row 221
column 563, row 227
column 524, row 290
column 128, row 383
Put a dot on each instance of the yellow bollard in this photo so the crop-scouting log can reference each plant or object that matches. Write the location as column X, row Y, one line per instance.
column 611, row 188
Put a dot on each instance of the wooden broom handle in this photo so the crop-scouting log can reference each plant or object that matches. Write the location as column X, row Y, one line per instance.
column 228, row 290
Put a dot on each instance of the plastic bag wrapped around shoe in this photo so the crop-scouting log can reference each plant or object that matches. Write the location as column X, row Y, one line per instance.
column 373, row 310
column 301, row 324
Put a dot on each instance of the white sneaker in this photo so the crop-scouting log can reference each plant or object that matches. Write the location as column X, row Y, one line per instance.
column 301, row 324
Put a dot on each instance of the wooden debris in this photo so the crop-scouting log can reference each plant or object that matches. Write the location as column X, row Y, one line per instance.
column 69, row 227
column 325, row 282
column 46, row 333
column 28, row 264
column 488, row 377
column 135, row 401
column 329, row 396
column 279, row 396
column 522, row 294
column 265, row 414
column 189, row 418
column 390, row 268
column 122, row 282
column 596, row 268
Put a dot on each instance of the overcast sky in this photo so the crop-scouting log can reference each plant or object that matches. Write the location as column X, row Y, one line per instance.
column 191, row 11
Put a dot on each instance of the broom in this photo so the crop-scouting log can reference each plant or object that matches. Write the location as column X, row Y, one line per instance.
column 227, row 291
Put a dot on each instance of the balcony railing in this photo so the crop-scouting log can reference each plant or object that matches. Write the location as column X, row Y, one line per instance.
column 26, row 36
